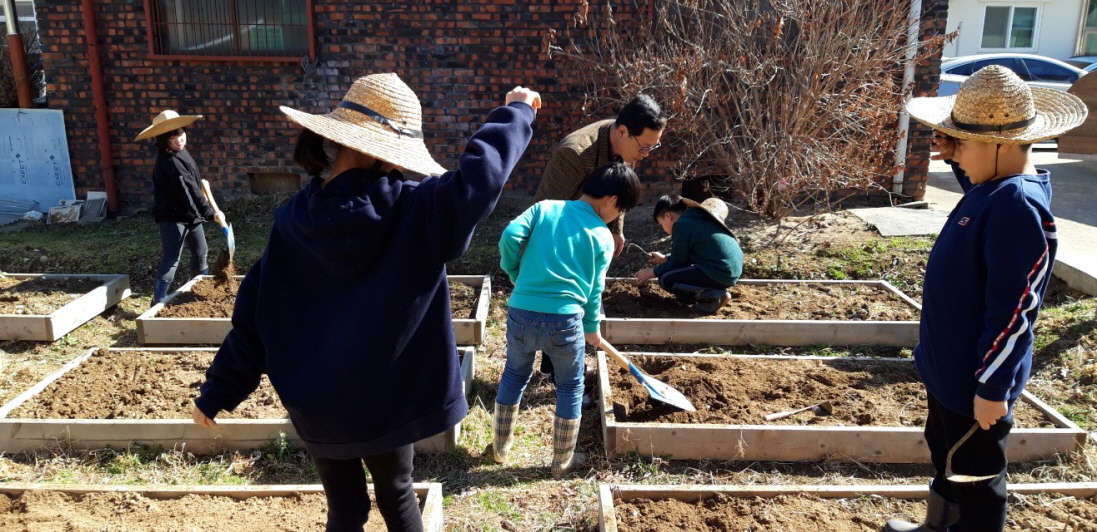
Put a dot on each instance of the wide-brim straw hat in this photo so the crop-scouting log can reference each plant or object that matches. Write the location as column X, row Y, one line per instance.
column 995, row 106
column 715, row 208
column 379, row 116
column 164, row 122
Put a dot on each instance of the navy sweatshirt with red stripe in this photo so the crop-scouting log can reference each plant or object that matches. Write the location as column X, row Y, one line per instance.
column 985, row 279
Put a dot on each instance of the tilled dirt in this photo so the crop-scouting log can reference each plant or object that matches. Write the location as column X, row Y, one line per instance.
column 808, row 512
column 55, row 511
column 213, row 298
column 140, row 385
column 41, row 296
column 735, row 391
column 780, row 301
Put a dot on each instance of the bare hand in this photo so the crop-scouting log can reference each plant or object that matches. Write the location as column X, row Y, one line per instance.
column 219, row 217
column 656, row 258
column 201, row 419
column 593, row 338
column 524, row 95
column 988, row 413
column 618, row 245
column 944, row 145
column 645, row 275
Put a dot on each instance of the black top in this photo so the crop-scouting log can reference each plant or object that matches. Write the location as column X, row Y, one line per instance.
column 177, row 189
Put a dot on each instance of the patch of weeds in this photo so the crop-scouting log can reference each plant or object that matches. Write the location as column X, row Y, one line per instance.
column 499, row 504
column 835, row 272
column 1077, row 414
column 279, row 449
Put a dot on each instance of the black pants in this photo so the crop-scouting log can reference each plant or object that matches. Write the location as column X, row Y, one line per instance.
column 348, row 502
column 172, row 237
column 690, row 275
column 982, row 504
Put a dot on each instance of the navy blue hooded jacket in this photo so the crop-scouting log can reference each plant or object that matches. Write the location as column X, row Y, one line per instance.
column 985, row 279
column 348, row 309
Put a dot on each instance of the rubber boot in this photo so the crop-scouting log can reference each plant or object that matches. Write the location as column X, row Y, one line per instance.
column 940, row 514
column 565, row 432
column 502, row 428
column 160, row 291
column 710, row 301
column 686, row 294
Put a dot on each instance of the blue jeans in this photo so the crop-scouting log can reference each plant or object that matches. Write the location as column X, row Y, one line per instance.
column 559, row 337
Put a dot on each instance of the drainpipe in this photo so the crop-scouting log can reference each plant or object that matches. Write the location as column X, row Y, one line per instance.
column 18, row 55
column 914, row 23
column 102, row 121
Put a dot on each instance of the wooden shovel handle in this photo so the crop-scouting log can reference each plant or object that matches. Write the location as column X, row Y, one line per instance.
column 615, row 354
column 209, row 197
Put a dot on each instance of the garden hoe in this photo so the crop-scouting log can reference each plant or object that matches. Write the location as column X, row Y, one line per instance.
column 226, row 228
column 660, row 391
column 824, row 408
column 953, row 477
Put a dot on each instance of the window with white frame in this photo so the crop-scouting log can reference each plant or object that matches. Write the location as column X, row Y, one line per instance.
column 1007, row 27
column 1088, row 37
column 229, row 28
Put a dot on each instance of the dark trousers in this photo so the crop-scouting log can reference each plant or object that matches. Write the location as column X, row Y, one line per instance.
column 348, row 502
column 172, row 238
column 689, row 276
column 982, row 504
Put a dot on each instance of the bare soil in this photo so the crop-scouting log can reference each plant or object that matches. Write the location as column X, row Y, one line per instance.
column 214, row 298
column 139, row 385
column 781, row 301
column 807, row 512
column 42, row 295
column 735, row 391
column 55, row 511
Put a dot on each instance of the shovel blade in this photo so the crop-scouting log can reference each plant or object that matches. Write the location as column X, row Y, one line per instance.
column 230, row 236
column 661, row 391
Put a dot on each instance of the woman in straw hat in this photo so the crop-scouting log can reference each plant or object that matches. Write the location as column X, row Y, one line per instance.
column 705, row 258
column 985, row 279
column 179, row 206
column 348, row 309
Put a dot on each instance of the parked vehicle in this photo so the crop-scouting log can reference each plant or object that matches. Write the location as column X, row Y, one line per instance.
column 1037, row 71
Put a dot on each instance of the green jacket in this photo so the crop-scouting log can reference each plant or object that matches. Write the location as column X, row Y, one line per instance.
column 698, row 239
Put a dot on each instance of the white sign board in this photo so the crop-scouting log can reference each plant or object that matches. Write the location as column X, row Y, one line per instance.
column 34, row 157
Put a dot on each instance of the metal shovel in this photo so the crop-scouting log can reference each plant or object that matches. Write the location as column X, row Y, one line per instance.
column 953, row 477
column 660, row 391
column 226, row 228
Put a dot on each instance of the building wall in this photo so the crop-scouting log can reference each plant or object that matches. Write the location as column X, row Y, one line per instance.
column 459, row 57
column 1057, row 27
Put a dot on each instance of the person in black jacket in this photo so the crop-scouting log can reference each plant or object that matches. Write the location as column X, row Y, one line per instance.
column 179, row 206
column 348, row 310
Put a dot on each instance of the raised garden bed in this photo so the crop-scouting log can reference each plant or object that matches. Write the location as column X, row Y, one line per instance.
column 119, row 396
column 828, row 508
column 45, row 307
column 209, row 316
column 879, row 411
column 765, row 312
column 302, row 507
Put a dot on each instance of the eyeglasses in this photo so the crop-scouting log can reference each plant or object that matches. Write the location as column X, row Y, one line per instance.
column 646, row 149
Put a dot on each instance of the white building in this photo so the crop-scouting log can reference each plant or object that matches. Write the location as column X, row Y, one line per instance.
column 1054, row 28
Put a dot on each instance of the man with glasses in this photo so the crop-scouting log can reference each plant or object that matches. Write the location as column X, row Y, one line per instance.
column 632, row 136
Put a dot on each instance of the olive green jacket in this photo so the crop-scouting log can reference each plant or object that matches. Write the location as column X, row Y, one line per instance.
column 572, row 160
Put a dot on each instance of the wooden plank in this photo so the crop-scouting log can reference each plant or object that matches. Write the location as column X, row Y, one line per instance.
column 429, row 493
column 767, row 332
column 154, row 330
column 17, row 435
column 60, row 322
column 795, row 443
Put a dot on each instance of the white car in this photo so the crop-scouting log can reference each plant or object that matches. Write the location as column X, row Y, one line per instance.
column 1037, row 71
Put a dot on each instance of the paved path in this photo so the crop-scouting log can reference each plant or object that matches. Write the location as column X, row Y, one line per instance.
column 1074, row 203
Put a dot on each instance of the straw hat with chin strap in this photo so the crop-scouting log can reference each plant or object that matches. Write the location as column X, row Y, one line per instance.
column 715, row 208
column 379, row 116
column 166, row 121
column 995, row 106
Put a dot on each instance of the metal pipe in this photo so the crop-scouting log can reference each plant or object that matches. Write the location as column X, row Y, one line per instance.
column 102, row 121
column 914, row 23
column 17, row 52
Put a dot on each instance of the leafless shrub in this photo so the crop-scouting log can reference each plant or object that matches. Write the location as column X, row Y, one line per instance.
column 783, row 101
column 8, row 95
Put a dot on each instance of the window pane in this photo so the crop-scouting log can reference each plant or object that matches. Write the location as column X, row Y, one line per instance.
column 1091, row 44
column 1044, row 71
column 995, row 24
column 1091, row 15
column 1024, row 27
column 231, row 27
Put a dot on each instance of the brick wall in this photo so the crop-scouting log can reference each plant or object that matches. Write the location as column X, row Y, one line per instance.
column 459, row 57
column 927, row 77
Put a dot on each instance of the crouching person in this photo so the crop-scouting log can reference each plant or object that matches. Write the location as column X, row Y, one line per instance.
column 705, row 259
column 557, row 254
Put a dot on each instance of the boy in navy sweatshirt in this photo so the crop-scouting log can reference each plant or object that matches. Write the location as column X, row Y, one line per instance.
column 985, row 279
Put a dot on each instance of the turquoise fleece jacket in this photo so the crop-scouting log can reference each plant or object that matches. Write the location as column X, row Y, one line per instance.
column 698, row 239
column 562, row 267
